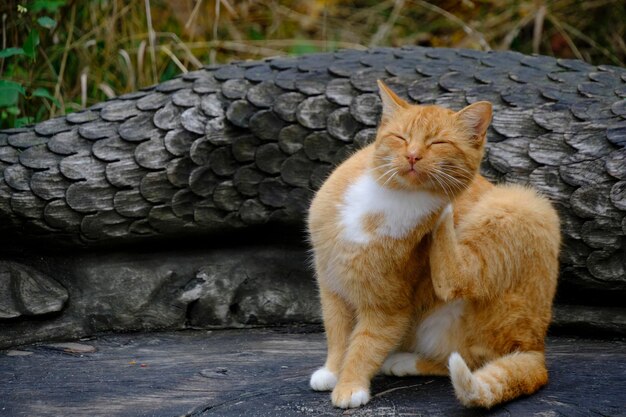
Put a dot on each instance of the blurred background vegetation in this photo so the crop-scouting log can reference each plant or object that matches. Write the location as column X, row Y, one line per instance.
column 59, row 56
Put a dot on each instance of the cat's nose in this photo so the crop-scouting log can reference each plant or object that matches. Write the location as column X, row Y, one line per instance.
column 413, row 157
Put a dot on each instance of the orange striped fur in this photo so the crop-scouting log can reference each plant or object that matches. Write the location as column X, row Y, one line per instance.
column 425, row 268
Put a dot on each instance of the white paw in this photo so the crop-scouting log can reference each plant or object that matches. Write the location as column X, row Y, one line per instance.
column 323, row 380
column 352, row 400
column 359, row 398
column 400, row 364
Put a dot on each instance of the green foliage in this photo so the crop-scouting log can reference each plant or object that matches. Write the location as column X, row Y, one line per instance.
column 43, row 92
column 47, row 22
column 30, row 46
column 22, row 100
column 169, row 72
column 5, row 53
column 62, row 56
column 10, row 92
column 303, row 47
column 51, row 6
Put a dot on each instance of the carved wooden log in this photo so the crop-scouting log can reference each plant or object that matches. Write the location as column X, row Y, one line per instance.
column 237, row 145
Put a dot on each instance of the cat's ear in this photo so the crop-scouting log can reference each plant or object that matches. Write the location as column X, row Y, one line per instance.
column 391, row 102
column 476, row 117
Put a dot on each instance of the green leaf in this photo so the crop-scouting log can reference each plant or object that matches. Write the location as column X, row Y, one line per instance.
column 47, row 22
column 30, row 46
column 23, row 121
column 14, row 110
column 48, row 5
column 10, row 93
column 303, row 47
column 42, row 92
column 170, row 71
column 5, row 53
column 255, row 34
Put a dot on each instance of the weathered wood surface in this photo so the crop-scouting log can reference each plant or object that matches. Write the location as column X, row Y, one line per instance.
column 154, row 290
column 223, row 285
column 236, row 151
column 247, row 143
column 265, row 372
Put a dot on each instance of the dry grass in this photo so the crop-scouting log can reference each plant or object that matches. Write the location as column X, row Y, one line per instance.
column 101, row 49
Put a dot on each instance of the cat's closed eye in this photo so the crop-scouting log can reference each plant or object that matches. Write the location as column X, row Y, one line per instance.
column 400, row 137
column 438, row 142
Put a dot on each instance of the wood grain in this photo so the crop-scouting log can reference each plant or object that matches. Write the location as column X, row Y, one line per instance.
column 241, row 145
column 264, row 372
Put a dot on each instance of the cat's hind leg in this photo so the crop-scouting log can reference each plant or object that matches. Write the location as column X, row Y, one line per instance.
column 411, row 364
column 499, row 380
column 338, row 324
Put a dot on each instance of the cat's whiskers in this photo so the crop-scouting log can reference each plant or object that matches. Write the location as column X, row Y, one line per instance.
column 454, row 187
column 456, row 177
column 390, row 178
column 433, row 176
column 448, row 177
column 449, row 164
column 450, row 184
column 391, row 170
column 452, row 172
column 462, row 172
column 373, row 169
column 394, row 172
column 445, row 187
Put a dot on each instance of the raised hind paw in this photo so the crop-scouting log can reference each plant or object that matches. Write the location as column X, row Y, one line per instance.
column 350, row 396
column 400, row 364
column 323, row 380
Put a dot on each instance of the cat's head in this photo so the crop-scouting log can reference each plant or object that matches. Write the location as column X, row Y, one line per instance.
column 429, row 147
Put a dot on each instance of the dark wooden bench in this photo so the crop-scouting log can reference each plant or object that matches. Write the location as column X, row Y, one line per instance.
column 181, row 207
column 265, row 372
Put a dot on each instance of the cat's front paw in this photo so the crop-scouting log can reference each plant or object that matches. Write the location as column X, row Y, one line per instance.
column 400, row 364
column 323, row 380
column 350, row 396
column 446, row 215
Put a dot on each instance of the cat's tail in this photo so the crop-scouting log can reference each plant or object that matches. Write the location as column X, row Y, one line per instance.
column 500, row 380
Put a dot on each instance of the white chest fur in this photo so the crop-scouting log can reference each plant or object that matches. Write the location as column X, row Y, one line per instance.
column 401, row 210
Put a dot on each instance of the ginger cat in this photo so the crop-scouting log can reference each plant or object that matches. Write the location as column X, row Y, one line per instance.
column 465, row 292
